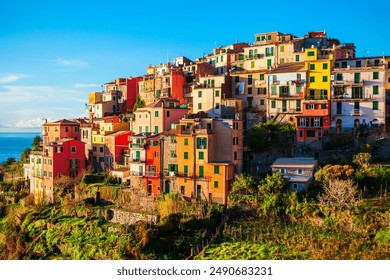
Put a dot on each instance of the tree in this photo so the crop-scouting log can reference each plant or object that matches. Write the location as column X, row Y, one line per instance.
column 36, row 144
column 244, row 188
column 271, row 198
column 139, row 103
column 330, row 172
column 363, row 160
column 339, row 194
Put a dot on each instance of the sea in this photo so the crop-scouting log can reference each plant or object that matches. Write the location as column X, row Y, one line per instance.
column 12, row 144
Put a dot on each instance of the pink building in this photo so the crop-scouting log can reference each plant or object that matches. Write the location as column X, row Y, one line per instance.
column 159, row 116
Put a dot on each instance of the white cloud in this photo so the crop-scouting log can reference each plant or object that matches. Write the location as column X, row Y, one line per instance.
column 10, row 78
column 75, row 63
column 32, row 123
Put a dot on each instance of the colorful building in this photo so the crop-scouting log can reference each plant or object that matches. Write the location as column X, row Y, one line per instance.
column 358, row 93
column 159, row 116
column 209, row 153
column 62, row 129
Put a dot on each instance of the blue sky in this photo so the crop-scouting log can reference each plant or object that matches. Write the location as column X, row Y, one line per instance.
column 53, row 53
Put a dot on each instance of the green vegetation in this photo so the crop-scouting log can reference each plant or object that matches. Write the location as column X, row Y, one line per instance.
column 265, row 136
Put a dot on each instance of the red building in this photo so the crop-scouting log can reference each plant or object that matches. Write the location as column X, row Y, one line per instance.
column 153, row 178
column 178, row 83
column 314, row 120
column 117, row 144
column 62, row 129
column 130, row 95
column 65, row 157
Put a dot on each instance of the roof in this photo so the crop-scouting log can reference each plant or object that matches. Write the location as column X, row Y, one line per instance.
column 62, row 122
column 159, row 102
column 118, row 133
column 296, row 162
column 289, row 67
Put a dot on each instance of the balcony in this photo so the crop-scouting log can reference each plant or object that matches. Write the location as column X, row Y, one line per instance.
column 137, row 146
column 136, row 160
column 152, row 174
column 137, row 173
column 354, row 97
column 348, row 83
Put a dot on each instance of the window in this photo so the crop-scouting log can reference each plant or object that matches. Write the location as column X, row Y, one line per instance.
column 201, row 143
column 338, row 108
column 273, row 104
column 156, row 128
column 261, row 101
column 73, row 149
column 325, row 66
column 252, row 64
column 172, row 139
column 201, row 171
column 217, row 106
column 269, row 37
column 216, row 184
column 323, row 106
column 310, row 53
column 376, row 75
column 250, row 90
column 185, row 155
column 324, row 78
column 199, row 93
column 297, row 57
column 168, row 114
column 339, row 77
column 185, row 141
column 156, row 114
column 173, row 153
column 317, row 122
column 359, row 63
column 155, row 154
column 235, row 156
column 312, row 79
column 302, row 122
column 101, row 149
column 216, row 169
column 249, row 79
column 273, row 90
column 300, row 171
column 375, row 105
column 94, row 149
column 146, row 128
column 185, row 170
column 310, row 133
column 201, row 155
column 312, row 66
column 375, row 89
column 298, row 105
column 217, row 93
column 282, row 48
column 237, row 79
column 282, row 170
column 261, row 78
column 199, row 106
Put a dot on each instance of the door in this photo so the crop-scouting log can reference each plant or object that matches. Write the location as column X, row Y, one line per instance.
column 167, row 187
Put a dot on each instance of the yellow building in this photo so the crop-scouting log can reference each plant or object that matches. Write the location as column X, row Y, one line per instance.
column 319, row 68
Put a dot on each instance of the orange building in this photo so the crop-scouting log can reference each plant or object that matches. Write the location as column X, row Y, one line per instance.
column 209, row 153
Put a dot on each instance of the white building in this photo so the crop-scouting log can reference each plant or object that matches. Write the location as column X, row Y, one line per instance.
column 358, row 93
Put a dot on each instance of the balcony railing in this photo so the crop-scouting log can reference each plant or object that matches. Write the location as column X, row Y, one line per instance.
column 153, row 174
column 137, row 173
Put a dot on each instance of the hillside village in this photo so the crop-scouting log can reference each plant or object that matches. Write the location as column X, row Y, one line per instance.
column 180, row 127
column 276, row 149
